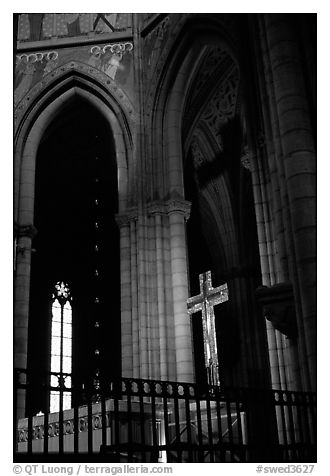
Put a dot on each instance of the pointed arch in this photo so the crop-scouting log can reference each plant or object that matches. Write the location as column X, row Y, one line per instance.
column 44, row 104
column 173, row 81
column 33, row 119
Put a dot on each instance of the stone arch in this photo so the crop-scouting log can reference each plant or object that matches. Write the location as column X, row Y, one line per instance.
column 32, row 121
column 176, row 92
column 174, row 76
column 33, row 116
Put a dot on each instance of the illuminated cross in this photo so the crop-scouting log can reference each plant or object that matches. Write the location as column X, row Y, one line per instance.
column 205, row 302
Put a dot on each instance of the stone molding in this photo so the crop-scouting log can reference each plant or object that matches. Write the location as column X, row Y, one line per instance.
column 156, row 208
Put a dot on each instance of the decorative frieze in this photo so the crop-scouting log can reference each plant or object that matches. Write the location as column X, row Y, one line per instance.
column 114, row 48
column 35, row 57
column 156, row 208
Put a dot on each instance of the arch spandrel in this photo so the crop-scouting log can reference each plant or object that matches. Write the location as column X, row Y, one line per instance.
column 97, row 79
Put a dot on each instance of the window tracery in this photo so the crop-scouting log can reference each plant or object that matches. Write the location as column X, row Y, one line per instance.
column 61, row 347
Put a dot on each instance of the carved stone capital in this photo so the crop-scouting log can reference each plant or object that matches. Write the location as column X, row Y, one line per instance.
column 179, row 206
column 157, row 208
column 170, row 206
column 278, row 307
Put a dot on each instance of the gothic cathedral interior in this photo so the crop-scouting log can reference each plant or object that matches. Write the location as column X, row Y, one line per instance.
column 158, row 159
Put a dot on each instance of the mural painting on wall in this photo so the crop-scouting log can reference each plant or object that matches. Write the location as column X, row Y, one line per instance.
column 41, row 26
column 113, row 59
column 31, row 68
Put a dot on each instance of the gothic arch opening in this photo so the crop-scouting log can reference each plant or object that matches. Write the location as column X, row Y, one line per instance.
column 76, row 199
column 204, row 142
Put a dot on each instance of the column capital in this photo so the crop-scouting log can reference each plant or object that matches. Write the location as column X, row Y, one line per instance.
column 179, row 206
column 159, row 207
column 170, row 206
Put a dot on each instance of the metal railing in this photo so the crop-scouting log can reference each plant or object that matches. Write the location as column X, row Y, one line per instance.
column 136, row 420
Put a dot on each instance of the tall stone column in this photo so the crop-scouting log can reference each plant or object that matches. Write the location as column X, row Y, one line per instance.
column 178, row 211
column 23, row 239
column 297, row 141
column 161, row 298
column 125, row 294
column 156, row 330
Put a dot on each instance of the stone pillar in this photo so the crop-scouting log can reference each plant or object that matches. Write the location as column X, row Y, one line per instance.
column 178, row 213
column 156, row 330
column 297, row 141
column 134, row 301
column 125, row 295
column 23, row 237
column 161, row 298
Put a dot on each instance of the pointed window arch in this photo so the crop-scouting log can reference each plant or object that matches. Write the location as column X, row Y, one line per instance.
column 61, row 346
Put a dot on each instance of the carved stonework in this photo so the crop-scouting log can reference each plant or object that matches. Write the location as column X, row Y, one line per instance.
column 157, row 32
column 278, row 307
column 198, row 157
column 155, row 208
column 246, row 159
column 222, row 106
column 179, row 206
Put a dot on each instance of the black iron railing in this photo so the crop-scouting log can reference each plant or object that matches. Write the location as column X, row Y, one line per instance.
column 135, row 420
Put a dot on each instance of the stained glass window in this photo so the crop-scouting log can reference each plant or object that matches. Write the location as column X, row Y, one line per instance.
column 61, row 347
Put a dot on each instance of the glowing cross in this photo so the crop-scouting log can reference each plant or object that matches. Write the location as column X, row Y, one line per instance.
column 205, row 302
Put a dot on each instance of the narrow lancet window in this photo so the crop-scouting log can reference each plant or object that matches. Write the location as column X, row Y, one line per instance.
column 61, row 348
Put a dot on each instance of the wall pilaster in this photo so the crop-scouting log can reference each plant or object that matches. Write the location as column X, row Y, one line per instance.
column 156, row 331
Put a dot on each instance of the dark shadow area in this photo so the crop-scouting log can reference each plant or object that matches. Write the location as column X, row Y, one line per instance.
column 76, row 198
